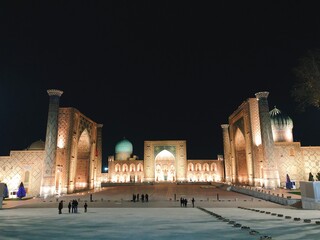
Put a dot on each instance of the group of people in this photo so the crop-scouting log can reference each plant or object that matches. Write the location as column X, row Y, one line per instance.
column 144, row 197
column 72, row 206
column 184, row 202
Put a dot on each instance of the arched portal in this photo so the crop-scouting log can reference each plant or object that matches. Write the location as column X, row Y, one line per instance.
column 241, row 161
column 83, row 162
column 165, row 167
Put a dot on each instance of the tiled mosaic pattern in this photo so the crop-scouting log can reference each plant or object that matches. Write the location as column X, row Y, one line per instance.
column 14, row 168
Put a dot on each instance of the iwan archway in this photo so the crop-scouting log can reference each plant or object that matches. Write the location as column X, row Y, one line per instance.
column 165, row 167
column 82, row 164
column 165, row 161
column 241, row 161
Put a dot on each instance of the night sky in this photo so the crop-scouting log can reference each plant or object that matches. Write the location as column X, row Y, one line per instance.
column 151, row 70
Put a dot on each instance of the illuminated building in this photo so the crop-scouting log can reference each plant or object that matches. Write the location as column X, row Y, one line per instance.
column 259, row 149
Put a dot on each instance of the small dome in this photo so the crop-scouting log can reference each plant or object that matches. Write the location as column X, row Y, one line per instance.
column 279, row 119
column 37, row 145
column 124, row 146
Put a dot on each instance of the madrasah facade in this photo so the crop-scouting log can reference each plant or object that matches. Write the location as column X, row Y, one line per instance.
column 258, row 151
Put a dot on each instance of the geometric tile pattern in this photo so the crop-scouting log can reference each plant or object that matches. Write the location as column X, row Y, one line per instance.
column 98, row 169
column 255, row 136
column 51, row 136
column 266, row 132
column 64, row 140
column 311, row 157
column 290, row 161
column 14, row 168
column 58, row 166
column 51, row 141
column 271, row 160
column 82, row 157
column 227, row 152
column 269, row 163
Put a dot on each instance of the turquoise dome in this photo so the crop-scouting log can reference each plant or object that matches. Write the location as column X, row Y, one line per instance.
column 279, row 119
column 124, row 146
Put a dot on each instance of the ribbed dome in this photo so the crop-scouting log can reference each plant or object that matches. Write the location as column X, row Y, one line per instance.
column 124, row 146
column 279, row 119
column 37, row 145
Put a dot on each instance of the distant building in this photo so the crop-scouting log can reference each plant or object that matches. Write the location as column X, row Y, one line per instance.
column 259, row 148
column 68, row 161
column 164, row 161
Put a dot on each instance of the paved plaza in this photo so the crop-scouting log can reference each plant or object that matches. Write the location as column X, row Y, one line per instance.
column 112, row 215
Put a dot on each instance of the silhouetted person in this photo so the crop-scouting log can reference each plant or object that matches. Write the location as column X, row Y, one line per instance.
column 60, row 206
column 76, row 206
column 73, row 206
column 142, row 197
column 147, row 197
column 69, row 206
column 181, row 201
column 192, row 202
column 85, row 207
column 310, row 177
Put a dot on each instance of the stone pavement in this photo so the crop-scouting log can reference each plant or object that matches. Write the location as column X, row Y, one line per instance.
column 218, row 214
column 160, row 195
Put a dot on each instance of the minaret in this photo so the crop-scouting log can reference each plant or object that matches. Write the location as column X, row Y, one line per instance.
column 226, row 148
column 270, row 171
column 98, row 166
column 49, row 166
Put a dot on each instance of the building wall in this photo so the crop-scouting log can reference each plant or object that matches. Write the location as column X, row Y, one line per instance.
column 205, row 171
column 290, row 161
column 79, row 153
column 134, row 171
column 290, row 157
column 124, row 171
column 22, row 166
column 311, row 158
column 73, row 165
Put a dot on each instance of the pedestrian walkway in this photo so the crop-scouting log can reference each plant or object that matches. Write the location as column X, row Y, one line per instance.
column 152, row 223
column 218, row 214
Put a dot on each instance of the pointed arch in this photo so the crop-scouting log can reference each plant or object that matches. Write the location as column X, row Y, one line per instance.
column 241, row 161
column 83, row 161
column 165, row 166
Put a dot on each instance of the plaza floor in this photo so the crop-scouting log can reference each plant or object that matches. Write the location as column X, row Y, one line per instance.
column 115, row 216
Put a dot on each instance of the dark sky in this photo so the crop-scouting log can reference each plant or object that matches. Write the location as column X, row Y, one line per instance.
column 151, row 70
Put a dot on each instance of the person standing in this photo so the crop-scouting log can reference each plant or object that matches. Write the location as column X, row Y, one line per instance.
column 69, row 206
column 147, row 197
column 60, row 206
column 192, row 202
column 73, row 206
column 85, row 207
column 76, row 203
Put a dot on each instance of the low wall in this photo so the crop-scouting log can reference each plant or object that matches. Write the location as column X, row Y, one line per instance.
column 310, row 194
column 280, row 199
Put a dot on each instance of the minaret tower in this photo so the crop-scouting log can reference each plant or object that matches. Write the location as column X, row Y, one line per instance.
column 49, row 167
column 226, row 148
column 270, row 170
